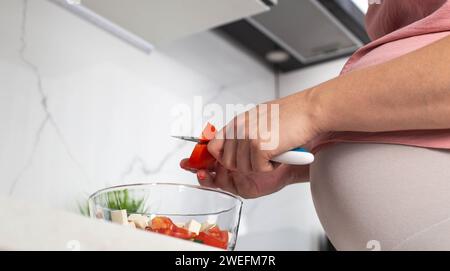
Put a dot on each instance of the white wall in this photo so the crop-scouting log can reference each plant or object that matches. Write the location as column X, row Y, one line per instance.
column 81, row 110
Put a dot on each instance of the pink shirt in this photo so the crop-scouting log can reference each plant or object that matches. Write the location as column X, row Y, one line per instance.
column 397, row 27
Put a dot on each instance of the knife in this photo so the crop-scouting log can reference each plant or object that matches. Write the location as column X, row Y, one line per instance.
column 297, row 157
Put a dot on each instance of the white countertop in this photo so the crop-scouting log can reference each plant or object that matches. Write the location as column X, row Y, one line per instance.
column 31, row 227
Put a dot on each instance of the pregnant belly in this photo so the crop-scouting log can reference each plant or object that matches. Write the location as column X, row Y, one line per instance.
column 370, row 195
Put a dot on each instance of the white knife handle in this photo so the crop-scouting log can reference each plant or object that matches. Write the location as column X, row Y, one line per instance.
column 295, row 157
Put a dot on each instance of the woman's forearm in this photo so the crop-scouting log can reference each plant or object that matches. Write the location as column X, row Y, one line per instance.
column 411, row 92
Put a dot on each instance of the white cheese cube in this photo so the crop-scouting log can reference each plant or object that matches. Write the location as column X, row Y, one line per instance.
column 145, row 219
column 140, row 224
column 119, row 217
column 133, row 217
column 212, row 219
column 206, row 226
column 193, row 226
column 140, row 221
column 132, row 224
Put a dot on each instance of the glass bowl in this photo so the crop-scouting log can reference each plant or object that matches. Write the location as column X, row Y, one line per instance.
column 190, row 212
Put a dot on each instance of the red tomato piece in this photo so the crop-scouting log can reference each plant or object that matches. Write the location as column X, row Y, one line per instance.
column 161, row 223
column 218, row 234
column 200, row 157
column 214, row 237
column 182, row 233
column 164, row 225
column 209, row 132
column 211, row 241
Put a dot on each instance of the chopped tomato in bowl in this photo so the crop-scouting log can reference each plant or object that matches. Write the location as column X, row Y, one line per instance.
column 191, row 212
column 214, row 237
column 164, row 225
column 211, row 235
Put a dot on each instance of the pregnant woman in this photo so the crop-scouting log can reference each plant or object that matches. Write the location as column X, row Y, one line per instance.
column 380, row 132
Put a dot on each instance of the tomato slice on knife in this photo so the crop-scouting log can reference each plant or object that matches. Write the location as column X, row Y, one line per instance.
column 200, row 157
column 208, row 133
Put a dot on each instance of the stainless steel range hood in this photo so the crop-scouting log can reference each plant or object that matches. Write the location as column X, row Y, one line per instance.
column 306, row 31
column 145, row 23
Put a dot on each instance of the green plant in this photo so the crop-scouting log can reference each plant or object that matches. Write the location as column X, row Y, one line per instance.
column 121, row 200
column 83, row 208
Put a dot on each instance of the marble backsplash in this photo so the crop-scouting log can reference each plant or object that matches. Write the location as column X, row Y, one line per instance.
column 81, row 110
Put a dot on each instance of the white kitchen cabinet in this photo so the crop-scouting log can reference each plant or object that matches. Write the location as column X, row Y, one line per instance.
column 161, row 21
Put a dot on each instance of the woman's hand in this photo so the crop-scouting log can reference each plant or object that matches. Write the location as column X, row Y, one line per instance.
column 244, row 148
column 247, row 144
column 251, row 184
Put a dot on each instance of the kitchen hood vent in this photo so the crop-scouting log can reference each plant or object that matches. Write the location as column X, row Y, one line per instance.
column 299, row 33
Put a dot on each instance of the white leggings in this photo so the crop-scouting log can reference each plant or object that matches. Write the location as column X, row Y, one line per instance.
column 384, row 196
